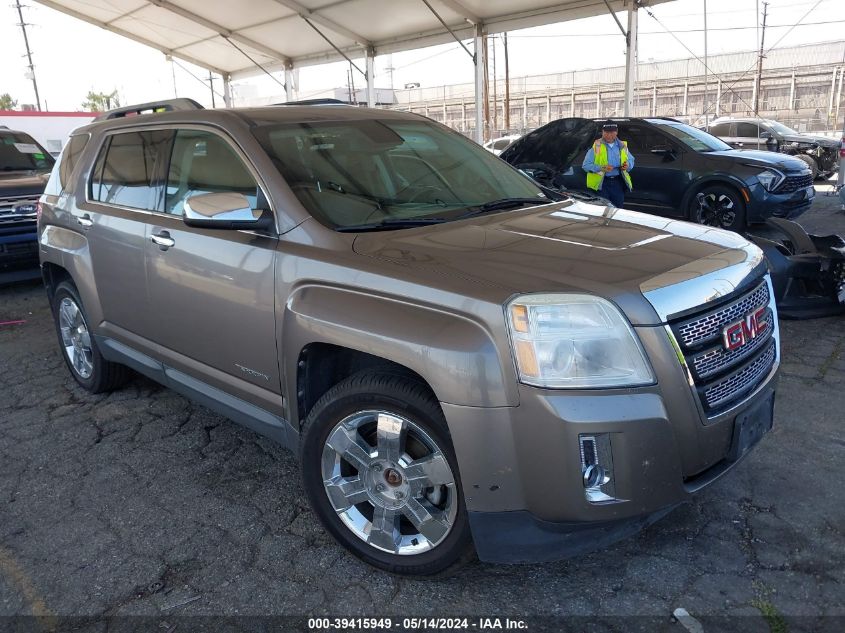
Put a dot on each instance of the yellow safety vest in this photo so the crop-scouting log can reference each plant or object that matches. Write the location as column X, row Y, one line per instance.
column 595, row 180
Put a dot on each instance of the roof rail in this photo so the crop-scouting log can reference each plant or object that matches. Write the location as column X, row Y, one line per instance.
column 166, row 105
column 314, row 102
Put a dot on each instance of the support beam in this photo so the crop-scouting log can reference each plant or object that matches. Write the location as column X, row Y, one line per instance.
column 461, row 10
column 686, row 98
column 631, row 51
column 223, row 32
column 289, row 87
column 718, row 97
column 480, row 97
column 131, row 36
column 792, row 91
column 832, row 90
column 227, row 91
column 654, row 101
column 306, row 13
column 371, row 78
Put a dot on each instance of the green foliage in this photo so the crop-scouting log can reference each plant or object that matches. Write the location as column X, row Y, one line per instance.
column 6, row 102
column 101, row 101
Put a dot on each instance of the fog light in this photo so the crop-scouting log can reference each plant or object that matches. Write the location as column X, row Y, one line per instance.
column 597, row 468
column 594, row 476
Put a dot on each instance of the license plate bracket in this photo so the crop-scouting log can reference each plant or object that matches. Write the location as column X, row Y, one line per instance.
column 750, row 426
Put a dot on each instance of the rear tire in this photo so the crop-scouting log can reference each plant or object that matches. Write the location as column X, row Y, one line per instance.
column 722, row 207
column 79, row 349
column 381, row 475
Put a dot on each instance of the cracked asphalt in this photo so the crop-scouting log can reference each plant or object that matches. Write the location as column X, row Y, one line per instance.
column 141, row 503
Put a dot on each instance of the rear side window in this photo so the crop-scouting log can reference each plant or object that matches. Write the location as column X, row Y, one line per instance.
column 747, row 130
column 203, row 162
column 125, row 172
column 721, row 129
column 69, row 158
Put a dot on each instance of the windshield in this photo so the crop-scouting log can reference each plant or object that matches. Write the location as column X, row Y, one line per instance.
column 20, row 152
column 351, row 173
column 695, row 139
column 780, row 128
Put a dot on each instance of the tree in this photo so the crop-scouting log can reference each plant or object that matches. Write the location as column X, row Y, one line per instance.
column 100, row 101
column 6, row 102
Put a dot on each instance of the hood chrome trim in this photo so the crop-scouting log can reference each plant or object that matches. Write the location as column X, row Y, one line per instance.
column 702, row 281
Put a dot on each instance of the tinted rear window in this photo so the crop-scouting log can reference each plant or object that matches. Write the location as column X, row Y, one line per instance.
column 125, row 172
column 69, row 158
column 21, row 152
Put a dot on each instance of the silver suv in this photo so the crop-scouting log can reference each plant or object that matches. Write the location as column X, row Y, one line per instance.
column 457, row 359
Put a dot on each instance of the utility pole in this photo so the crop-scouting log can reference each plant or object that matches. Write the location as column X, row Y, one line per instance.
column 495, row 91
column 28, row 54
column 706, row 73
column 760, row 62
column 507, row 88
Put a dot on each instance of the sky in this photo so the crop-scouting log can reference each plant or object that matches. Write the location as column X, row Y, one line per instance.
column 72, row 57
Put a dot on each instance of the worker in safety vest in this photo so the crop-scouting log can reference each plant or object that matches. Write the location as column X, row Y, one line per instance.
column 607, row 164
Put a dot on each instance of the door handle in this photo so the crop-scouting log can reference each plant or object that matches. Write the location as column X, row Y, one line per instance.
column 85, row 221
column 163, row 240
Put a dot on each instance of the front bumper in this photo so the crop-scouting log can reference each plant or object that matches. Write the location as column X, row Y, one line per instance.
column 18, row 251
column 764, row 204
column 521, row 466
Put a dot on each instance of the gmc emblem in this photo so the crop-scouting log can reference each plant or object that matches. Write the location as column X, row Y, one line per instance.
column 738, row 334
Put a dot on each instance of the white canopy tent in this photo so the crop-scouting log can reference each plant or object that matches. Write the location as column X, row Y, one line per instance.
column 246, row 37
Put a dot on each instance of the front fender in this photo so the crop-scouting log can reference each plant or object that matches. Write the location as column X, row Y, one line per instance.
column 457, row 356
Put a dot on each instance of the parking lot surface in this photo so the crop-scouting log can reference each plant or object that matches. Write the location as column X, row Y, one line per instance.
column 140, row 503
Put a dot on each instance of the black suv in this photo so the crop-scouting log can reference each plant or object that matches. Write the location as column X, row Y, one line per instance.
column 24, row 168
column 674, row 162
column 819, row 152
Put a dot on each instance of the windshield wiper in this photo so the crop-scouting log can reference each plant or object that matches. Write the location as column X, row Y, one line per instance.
column 389, row 224
column 501, row 205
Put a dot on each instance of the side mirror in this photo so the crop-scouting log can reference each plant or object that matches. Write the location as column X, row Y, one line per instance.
column 765, row 135
column 226, row 210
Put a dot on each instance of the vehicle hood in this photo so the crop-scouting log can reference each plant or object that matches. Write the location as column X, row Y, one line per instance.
column 22, row 184
column 570, row 247
column 824, row 141
column 760, row 157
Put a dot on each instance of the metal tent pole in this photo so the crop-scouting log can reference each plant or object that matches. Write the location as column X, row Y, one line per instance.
column 631, row 51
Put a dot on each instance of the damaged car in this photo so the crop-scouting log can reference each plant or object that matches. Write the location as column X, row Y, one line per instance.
column 820, row 153
column 674, row 164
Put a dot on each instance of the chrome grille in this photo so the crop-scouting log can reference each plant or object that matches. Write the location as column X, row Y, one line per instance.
column 718, row 359
column 8, row 204
column 742, row 382
column 722, row 377
column 794, row 183
column 702, row 329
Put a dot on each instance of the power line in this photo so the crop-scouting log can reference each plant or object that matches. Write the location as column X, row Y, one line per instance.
column 709, row 30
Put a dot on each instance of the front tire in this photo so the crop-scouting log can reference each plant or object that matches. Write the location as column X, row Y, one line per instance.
column 720, row 206
column 380, row 472
column 79, row 349
column 811, row 162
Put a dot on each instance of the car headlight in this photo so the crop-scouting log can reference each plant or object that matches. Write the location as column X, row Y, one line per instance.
column 575, row 341
column 770, row 179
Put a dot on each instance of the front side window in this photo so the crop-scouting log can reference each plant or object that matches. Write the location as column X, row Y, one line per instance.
column 203, row 162
column 125, row 171
column 697, row 140
column 347, row 173
column 21, row 152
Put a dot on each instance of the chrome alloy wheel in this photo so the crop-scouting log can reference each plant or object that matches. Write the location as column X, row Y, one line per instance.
column 76, row 339
column 389, row 482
